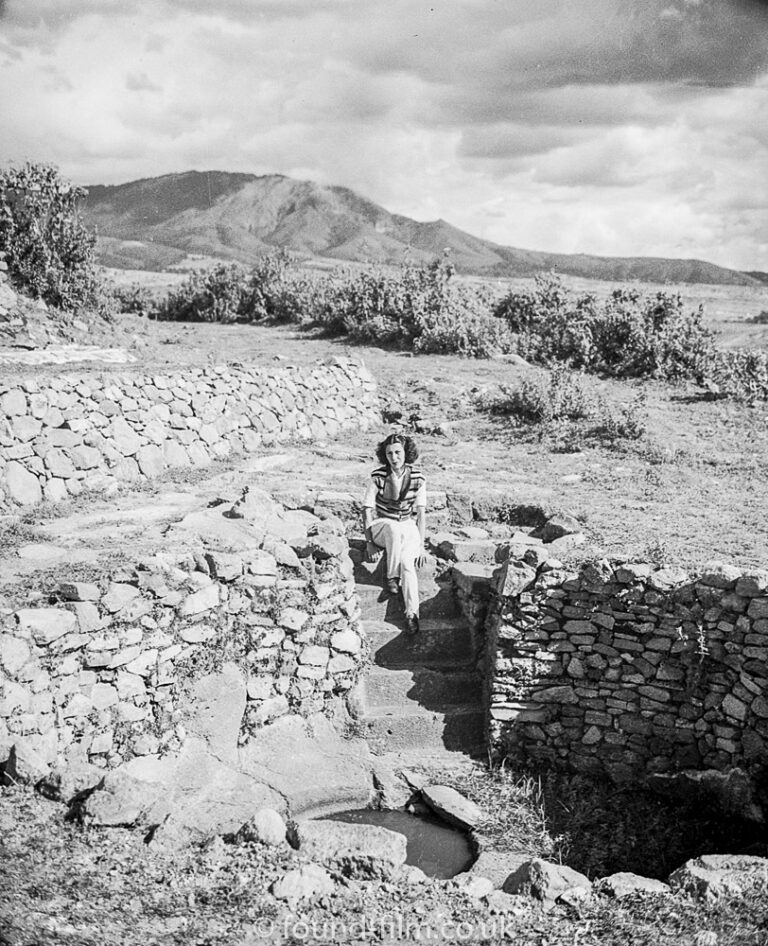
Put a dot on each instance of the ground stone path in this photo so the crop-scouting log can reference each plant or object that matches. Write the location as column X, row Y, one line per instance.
column 65, row 355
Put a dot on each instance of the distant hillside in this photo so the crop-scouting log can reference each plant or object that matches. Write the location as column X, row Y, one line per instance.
column 161, row 222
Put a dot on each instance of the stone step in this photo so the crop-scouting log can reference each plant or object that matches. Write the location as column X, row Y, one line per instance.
column 441, row 642
column 422, row 686
column 390, row 729
column 378, row 605
column 377, row 570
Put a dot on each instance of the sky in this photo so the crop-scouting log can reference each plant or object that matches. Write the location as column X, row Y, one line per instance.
column 613, row 127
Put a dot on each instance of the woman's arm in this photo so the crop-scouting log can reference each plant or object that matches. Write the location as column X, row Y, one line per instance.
column 372, row 551
column 421, row 522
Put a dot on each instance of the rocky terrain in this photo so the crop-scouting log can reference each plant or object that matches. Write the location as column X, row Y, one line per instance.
column 83, row 874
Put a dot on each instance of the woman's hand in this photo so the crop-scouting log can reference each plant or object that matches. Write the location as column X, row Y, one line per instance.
column 372, row 552
column 421, row 559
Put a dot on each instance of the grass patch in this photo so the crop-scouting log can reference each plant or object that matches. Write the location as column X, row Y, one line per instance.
column 596, row 827
column 16, row 532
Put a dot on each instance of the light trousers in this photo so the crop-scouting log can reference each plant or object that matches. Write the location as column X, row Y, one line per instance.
column 402, row 541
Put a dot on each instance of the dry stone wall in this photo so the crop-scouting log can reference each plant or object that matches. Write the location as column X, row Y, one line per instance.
column 93, row 431
column 107, row 670
column 631, row 671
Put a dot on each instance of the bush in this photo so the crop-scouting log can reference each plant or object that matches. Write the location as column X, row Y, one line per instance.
column 627, row 336
column 566, row 408
column 413, row 307
column 739, row 373
column 49, row 251
column 229, row 292
column 560, row 395
column 214, row 295
column 136, row 299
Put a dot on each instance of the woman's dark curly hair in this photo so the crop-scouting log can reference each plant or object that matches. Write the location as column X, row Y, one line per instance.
column 409, row 447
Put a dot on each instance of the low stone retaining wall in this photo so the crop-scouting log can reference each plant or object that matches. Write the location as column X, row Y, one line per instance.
column 629, row 670
column 90, row 431
column 110, row 669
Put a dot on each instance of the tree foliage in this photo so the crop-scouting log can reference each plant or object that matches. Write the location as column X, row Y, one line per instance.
column 49, row 251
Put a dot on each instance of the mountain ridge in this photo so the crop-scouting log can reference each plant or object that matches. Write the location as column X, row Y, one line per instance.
column 158, row 222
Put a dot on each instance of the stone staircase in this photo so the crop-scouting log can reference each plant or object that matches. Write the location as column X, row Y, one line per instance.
column 423, row 695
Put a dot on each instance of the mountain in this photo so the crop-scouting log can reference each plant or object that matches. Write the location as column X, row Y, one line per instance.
column 160, row 222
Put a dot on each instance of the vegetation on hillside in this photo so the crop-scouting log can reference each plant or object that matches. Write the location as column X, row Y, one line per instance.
column 153, row 222
column 49, row 251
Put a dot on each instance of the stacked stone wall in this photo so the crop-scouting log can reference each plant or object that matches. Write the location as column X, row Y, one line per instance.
column 630, row 671
column 93, row 431
column 105, row 670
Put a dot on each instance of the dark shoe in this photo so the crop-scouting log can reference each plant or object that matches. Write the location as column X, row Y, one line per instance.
column 412, row 623
column 393, row 586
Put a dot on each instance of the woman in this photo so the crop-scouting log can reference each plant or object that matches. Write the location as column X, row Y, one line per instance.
column 394, row 517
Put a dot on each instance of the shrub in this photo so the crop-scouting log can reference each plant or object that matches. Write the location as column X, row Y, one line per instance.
column 136, row 299
column 569, row 411
column 561, row 395
column 267, row 292
column 415, row 307
column 739, row 373
column 760, row 319
column 214, row 295
column 626, row 336
column 49, row 251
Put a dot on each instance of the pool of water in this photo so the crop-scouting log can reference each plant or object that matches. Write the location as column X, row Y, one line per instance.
column 435, row 847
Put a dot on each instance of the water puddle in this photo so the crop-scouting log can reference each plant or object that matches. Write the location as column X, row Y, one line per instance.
column 433, row 846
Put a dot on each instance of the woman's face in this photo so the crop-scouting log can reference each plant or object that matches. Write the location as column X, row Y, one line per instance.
column 395, row 454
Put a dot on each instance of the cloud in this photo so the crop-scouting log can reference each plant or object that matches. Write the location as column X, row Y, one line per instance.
column 140, row 82
column 495, row 50
column 600, row 126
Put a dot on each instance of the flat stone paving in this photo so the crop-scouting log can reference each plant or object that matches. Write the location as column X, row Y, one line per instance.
column 65, row 355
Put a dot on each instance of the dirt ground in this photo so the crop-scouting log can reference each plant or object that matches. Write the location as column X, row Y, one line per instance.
column 693, row 488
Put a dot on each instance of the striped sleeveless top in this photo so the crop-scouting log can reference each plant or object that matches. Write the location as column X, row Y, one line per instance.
column 396, row 506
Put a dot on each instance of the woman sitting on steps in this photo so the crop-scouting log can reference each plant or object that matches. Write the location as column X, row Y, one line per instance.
column 394, row 517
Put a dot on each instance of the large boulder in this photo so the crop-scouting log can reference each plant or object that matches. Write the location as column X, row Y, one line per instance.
column 192, row 794
column 474, row 886
column 356, row 850
column 305, row 882
column 121, row 800
column 496, row 866
column 545, row 881
column 29, row 760
column 67, row 781
column 392, row 790
column 624, row 884
column 265, row 827
column 452, row 806
column 311, row 766
column 556, row 527
column 204, row 789
column 712, row 876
